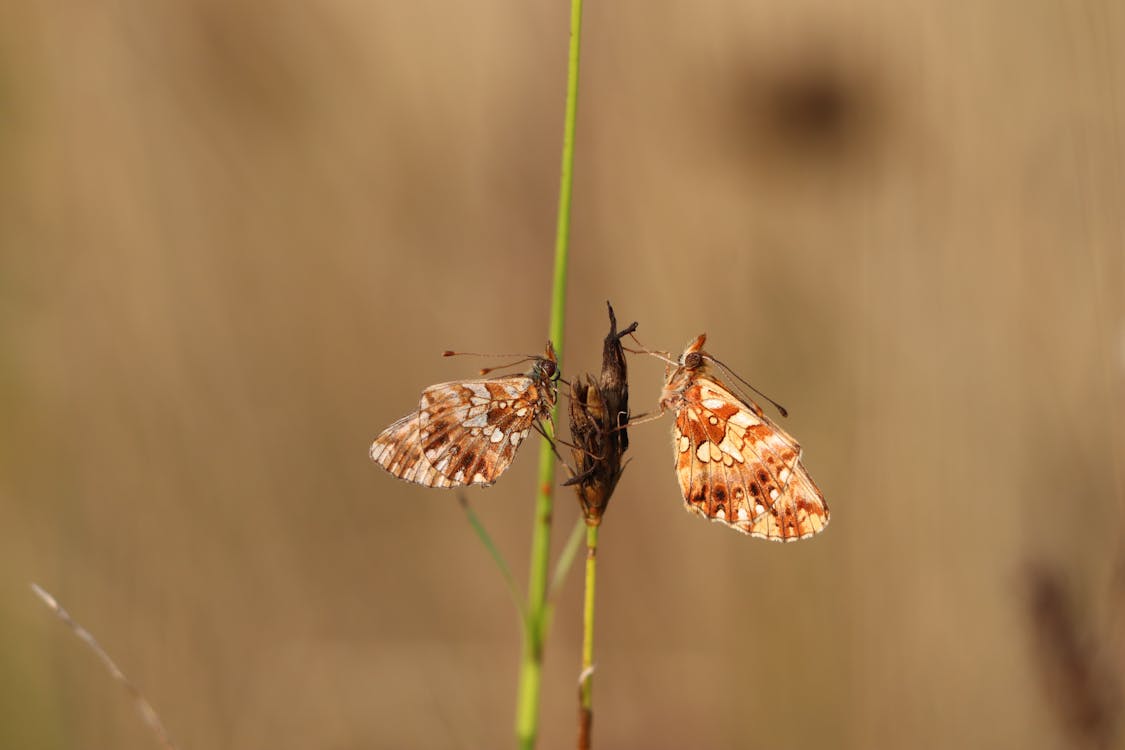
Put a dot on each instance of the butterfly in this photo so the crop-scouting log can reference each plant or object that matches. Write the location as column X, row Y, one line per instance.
column 467, row 432
column 734, row 464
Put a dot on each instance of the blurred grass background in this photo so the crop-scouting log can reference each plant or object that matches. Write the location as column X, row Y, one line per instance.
column 234, row 238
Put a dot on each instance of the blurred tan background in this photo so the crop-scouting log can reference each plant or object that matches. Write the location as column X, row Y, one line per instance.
column 235, row 237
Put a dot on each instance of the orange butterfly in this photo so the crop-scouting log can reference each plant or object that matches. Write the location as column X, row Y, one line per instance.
column 734, row 464
column 467, row 432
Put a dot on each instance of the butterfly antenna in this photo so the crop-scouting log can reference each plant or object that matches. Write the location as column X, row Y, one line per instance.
column 486, row 370
column 781, row 409
column 667, row 357
column 448, row 353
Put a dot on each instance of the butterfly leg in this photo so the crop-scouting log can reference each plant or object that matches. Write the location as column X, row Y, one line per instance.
column 551, row 441
column 642, row 418
column 577, row 478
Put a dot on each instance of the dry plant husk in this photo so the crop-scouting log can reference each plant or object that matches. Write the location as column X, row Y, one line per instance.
column 599, row 417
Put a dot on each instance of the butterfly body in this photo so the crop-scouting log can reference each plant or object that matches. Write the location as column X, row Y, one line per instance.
column 467, row 432
column 735, row 465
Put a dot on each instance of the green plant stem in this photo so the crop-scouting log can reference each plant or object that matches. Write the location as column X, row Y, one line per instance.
column 527, row 701
column 586, row 679
column 566, row 558
column 494, row 552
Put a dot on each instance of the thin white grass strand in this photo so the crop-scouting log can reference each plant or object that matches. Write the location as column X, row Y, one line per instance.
column 144, row 708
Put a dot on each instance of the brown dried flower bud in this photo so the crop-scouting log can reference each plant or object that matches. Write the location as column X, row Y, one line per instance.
column 599, row 414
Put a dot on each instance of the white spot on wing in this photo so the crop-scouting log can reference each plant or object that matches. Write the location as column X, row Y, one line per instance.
column 743, row 418
column 478, row 420
column 728, row 447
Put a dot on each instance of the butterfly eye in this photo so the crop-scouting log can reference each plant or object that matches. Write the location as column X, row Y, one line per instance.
column 549, row 368
column 693, row 360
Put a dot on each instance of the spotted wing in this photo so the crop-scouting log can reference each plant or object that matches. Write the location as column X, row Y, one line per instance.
column 799, row 513
column 737, row 467
column 464, row 433
column 470, row 431
column 398, row 450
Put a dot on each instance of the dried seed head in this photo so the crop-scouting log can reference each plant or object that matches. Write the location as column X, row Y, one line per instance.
column 599, row 414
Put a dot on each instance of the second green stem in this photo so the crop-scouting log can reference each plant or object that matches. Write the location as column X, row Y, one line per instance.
column 586, row 680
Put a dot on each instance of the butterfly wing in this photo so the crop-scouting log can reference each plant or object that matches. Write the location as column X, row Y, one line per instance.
column 470, row 431
column 398, row 450
column 799, row 513
column 737, row 467
column 464, row 433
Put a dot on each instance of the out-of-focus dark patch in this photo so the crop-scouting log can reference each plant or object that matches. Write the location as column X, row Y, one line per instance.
column 814, row 110
column 811, row 108
column 1083, row 694
column 269, row 68
column 243, row 58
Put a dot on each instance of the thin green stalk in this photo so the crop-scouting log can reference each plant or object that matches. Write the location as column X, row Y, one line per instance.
column 566, row 557
column 527, row 701
column 494, row 552
column 586, row 678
